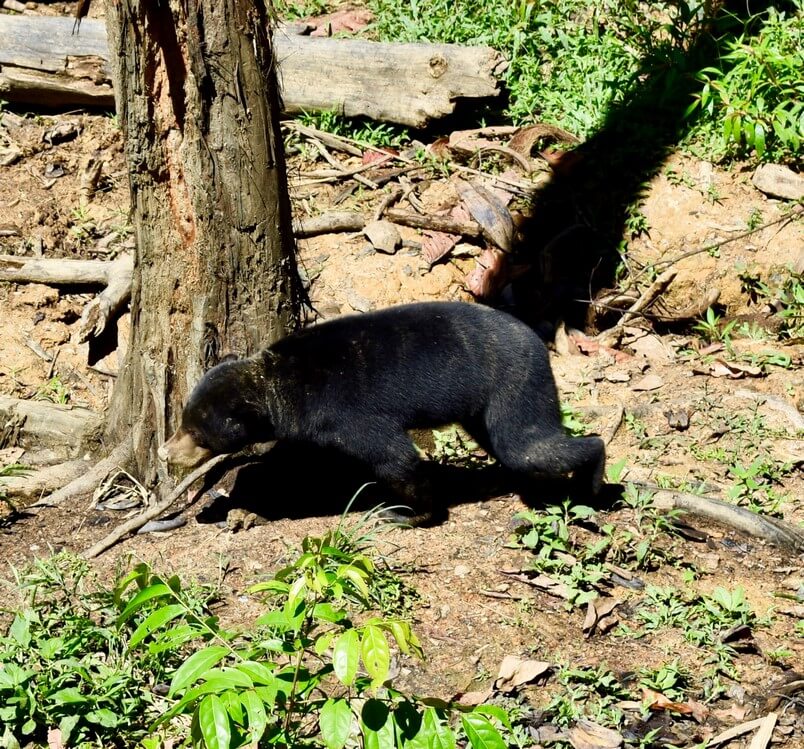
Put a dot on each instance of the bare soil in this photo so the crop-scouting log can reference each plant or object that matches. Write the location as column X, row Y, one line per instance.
column 470, row 614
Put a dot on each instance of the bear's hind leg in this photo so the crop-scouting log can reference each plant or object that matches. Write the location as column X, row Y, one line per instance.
column 560, row 454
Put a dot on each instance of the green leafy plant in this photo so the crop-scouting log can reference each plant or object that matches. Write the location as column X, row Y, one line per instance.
column 65, row 660
column 712, row 329
column 453, row 446
column 591, row 693
column 756, row 484
column 54, row 390
column 671, row 679
column 756, row 94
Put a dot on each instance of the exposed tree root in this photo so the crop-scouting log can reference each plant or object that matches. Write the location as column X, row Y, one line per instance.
column 120, row 456
column 156, row 510
column 774, row 531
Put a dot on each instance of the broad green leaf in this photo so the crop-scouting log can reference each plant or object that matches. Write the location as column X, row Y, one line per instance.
column 172, row 638
column 66, row 726
column 213, row 722
column 328, row 613
column 481, row 733
column 376, row 725
column 495, row 711
column 155, row 620
column 255, row 711
column 104, row 717
column 146, row 594
column 196, row 666
column 258, row 672
column 376, row 654
column 231, row 676
column 68, row 696
column 234, row 708
column 20, row 630
column 437, row 734
column 335, row 721
column 345, row 656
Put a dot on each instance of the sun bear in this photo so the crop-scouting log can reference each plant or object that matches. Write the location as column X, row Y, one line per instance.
column 358, row 383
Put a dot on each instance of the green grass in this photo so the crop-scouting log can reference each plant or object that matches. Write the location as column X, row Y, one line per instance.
column 752, row 102
column 567, row 63
column 571, row 63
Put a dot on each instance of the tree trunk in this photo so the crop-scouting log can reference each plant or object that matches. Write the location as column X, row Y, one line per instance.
column 214, row 271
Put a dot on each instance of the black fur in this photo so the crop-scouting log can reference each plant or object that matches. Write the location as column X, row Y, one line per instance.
column 357, row 383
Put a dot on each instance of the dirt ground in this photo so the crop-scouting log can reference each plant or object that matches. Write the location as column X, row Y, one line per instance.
column 470, row 614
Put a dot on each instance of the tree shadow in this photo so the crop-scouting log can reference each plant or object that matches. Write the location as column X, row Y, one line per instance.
column 579, row 221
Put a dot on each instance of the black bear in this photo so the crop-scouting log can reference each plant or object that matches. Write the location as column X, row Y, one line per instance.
column 357, row 383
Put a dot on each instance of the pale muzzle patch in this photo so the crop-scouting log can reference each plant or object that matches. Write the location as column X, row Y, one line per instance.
column 183, row 451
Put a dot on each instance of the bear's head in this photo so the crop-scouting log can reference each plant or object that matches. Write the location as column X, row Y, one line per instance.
column 225, row 412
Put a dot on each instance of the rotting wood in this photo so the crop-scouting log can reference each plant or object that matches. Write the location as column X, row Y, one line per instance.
column 103, row 308
column 65, row 429
column 43, row 63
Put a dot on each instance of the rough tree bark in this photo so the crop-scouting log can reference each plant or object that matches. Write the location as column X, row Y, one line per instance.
column 214, row 271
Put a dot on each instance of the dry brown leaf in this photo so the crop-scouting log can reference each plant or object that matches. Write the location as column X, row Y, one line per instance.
column 658, row 701
column 437, row 244
column 590, row 346
column 648, row 382
column 489, row 276
column 370, row 156
column 473, row 699
column 588, row 735
column 732, row 370
column 515, row 671
column 598, row 610
column 490, row 212
column 54, row 740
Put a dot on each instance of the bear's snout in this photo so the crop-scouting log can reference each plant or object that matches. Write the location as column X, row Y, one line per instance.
column 183, row 451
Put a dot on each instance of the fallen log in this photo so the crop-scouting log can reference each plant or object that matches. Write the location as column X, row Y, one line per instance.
column 43, row 63
column 67, row 430
column 54, row 271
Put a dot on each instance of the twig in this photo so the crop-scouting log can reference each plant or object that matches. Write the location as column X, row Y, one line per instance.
column 648, row 297
column 789, row 216
column 436, row 223
column 152, row 512
column 332, row 161
column 328, row 223
column 387, row 202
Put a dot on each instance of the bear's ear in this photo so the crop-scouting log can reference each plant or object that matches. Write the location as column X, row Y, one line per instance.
column 231, row 356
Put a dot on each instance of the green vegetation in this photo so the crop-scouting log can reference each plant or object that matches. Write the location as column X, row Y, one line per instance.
column 753, row 101
column 571, row 63
column 577, row 553
column 145, row 663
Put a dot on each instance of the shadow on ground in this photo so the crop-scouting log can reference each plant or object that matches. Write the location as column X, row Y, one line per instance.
column 573, row 241
column 300, row 480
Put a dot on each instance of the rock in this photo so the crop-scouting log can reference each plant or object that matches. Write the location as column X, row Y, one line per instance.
column 384, row 236
column 358, row 302
column 779, row 181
